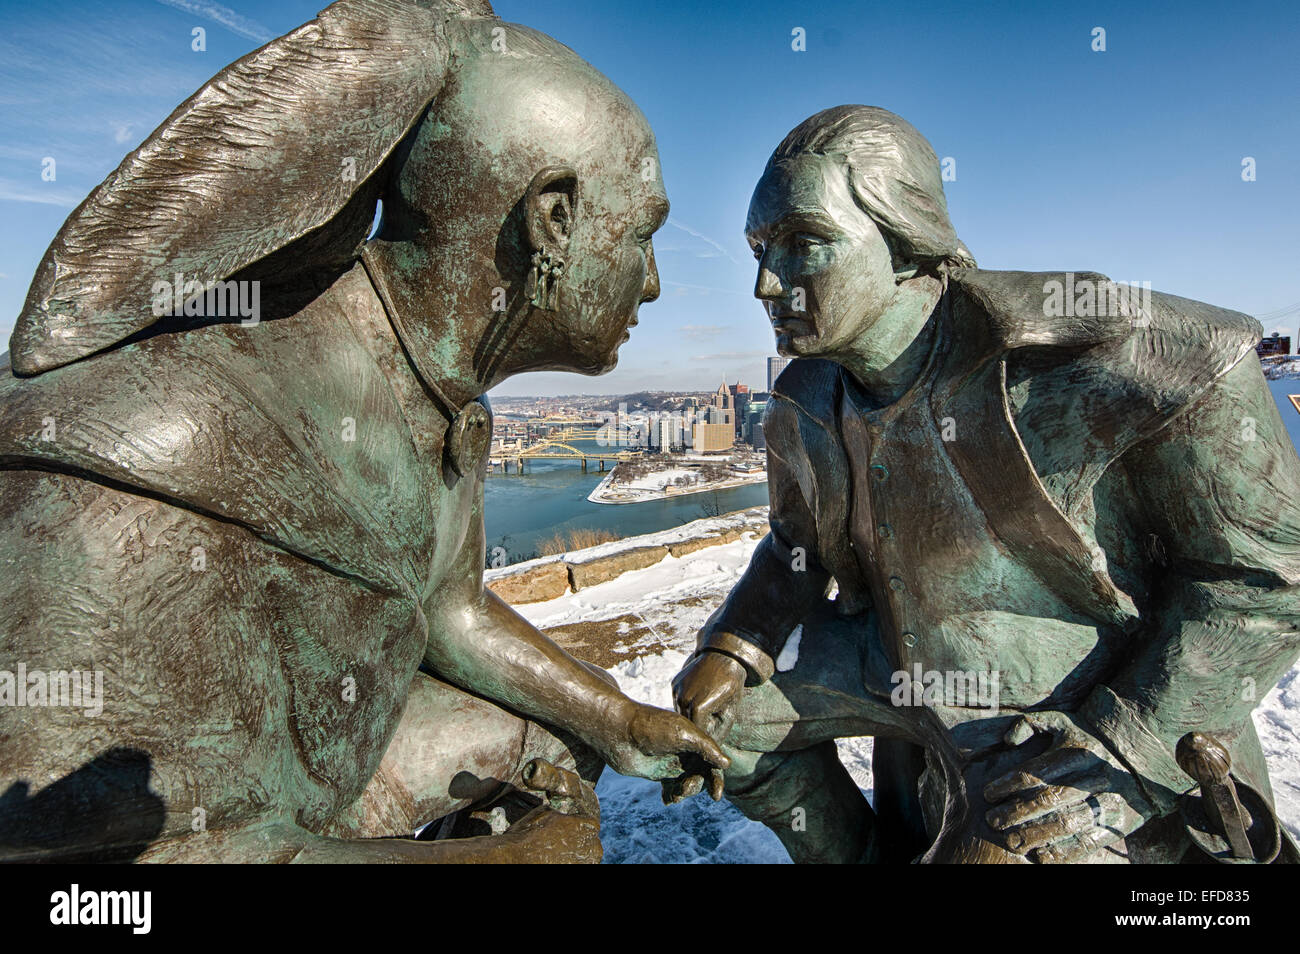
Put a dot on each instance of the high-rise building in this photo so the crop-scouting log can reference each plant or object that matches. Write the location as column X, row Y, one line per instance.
column 668, row 432
column 754, row 421
column 774, row 367
column 712, row 437
column 722, row 399
column 743, row 396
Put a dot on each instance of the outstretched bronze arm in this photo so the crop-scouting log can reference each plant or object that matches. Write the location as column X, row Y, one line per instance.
column 740, row 642
column 785, row 577
column 479, row 643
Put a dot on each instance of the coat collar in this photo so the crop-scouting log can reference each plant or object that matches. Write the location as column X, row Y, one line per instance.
column 1115, row 379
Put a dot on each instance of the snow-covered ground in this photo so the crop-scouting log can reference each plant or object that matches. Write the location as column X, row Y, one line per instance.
column 660, row 485
column 1276, row 369
column 662, row 478
column 646, row 620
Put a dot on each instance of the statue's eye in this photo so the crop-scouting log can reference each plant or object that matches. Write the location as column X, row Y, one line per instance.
column 805, row 242
column 758, row 253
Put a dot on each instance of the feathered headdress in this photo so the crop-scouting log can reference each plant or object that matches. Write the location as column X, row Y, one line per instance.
column 268, row 151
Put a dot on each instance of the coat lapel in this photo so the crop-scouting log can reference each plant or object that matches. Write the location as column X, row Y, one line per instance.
column 989, row 454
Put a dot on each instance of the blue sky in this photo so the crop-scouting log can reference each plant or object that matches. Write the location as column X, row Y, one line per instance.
column 1126, row 161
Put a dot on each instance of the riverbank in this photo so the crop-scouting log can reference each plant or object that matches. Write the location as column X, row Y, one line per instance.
column 548, row 577
column 523, row 512
column 661, row 485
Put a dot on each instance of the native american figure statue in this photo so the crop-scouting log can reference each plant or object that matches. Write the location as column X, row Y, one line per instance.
column 244, row 444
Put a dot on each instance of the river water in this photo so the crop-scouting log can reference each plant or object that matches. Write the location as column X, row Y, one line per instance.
column 523, row 511
column 551, row 497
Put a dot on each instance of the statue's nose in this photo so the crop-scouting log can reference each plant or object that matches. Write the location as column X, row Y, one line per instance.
column 651, row 290
column 768, row 286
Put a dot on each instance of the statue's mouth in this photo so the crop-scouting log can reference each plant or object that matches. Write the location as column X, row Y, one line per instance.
column 793, row 324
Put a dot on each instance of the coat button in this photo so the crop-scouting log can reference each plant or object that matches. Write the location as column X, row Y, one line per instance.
column 879, row 471
column 885, row 530
column 909, row 640
column 896, row 584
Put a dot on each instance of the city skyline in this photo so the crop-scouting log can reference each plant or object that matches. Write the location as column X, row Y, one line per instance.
column 1123, row 161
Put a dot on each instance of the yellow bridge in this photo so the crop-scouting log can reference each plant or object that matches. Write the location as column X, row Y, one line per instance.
column 591, row 432
column 579, row 434
column 557, row 450
column 557, row 419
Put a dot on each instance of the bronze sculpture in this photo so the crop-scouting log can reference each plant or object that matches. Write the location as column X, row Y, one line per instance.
column 244, row 450
column 1087, row 502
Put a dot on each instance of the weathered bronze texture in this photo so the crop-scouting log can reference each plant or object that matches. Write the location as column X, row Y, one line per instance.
column 259, row 518
column 1078, row 496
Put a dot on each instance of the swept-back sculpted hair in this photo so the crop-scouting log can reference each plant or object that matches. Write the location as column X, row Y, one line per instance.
column 894, row 177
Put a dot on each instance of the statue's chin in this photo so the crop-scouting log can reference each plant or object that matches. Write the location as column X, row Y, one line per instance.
column 610, row 364
column 593, row 368
column 797, row 346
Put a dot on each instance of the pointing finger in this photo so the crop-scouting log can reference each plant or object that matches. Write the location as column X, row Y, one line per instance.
column 693, row 740
column 716, row 779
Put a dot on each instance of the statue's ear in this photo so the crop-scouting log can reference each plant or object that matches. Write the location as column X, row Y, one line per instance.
column 550, row 204
column 268, row 151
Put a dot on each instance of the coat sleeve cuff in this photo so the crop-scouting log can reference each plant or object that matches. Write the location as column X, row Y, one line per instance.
column 759, row 665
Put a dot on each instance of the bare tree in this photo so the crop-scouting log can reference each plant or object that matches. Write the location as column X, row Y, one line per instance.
column 711, row 505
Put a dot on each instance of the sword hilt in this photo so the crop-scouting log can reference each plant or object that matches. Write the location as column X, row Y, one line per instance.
column 1207, row 761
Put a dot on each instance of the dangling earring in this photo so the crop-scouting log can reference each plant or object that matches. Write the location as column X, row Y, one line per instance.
column 543, row 280
column 535, row 287
column 553, row 287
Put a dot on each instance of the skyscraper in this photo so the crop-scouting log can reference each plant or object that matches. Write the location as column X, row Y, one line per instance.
column 774, row 368
column 722, row 399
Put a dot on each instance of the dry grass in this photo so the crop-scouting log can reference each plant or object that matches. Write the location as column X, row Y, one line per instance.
column 575, row 540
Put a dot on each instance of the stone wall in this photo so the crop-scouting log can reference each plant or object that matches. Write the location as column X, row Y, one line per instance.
column 550, row 577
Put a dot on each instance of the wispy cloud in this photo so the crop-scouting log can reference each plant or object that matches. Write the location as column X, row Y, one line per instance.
column 226, row 17
column 684, row 288
column 16, row 192
column 731, row 356
column 695, row 233
column 41, row 66
column 702, row 332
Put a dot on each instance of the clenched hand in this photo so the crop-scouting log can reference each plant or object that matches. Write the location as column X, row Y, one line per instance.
column 1068, row 803
column 704, row 691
